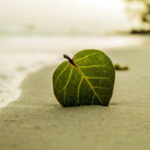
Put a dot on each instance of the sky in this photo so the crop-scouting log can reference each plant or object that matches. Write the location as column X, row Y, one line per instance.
column 64, row 15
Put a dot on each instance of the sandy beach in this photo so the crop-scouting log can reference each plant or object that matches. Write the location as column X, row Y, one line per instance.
column 36, row 121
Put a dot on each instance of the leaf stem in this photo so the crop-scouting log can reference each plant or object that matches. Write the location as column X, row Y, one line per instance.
column 70, row 60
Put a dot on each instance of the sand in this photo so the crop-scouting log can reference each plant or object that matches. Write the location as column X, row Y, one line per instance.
column 37, row 122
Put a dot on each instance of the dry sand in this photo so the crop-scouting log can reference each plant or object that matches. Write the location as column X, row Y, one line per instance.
column 36, row 122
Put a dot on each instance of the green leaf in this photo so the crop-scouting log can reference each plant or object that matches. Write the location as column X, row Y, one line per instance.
column 87, row 79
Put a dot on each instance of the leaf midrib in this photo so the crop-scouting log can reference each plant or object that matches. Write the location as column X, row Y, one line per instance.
column 86, row 79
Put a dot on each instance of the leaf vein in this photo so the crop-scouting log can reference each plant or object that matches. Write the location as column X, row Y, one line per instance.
column 96, row 87
column 89, row 83
column 76, row 60
column 93, row 99
column 98, row 78
column 79, row 90
column 94, row 66
column 66, row 66
column 70, row 74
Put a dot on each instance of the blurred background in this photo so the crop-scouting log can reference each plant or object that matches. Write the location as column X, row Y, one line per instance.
column 65, row 17
column 70, row 17
column 35, row 33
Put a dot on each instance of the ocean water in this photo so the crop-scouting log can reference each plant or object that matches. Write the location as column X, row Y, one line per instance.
column 20, row 55
column 14, row 68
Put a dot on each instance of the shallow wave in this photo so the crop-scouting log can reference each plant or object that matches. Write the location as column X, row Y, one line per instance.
column 13, row 72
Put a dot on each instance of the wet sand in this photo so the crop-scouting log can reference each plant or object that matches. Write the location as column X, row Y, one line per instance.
column 36, row 121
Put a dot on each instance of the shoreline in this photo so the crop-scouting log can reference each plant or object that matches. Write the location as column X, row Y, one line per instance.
column 35, row 121
column 27, row 88
column 16, row 91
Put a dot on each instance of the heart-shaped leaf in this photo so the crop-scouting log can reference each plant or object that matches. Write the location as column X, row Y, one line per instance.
column 86, row 79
